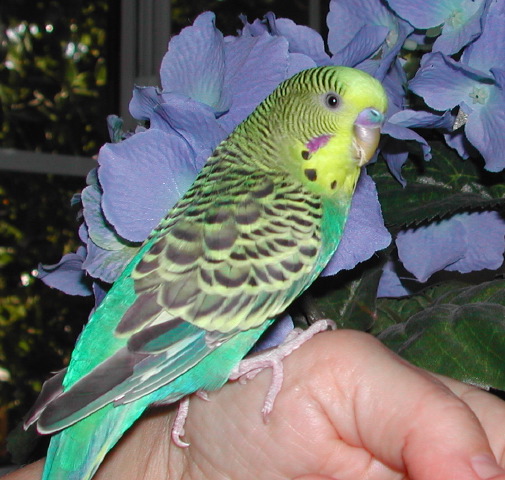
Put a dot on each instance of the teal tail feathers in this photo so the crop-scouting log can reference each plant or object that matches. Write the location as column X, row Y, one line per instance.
column 76, row 452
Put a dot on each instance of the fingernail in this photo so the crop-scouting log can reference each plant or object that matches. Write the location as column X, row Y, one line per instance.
column 486, row 467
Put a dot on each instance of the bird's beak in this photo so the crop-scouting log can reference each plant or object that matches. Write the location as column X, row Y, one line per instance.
column 367, row 129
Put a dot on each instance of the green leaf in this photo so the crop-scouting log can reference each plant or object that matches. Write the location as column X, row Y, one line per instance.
column 437, row 189
column 348, row 298
column 461, row 334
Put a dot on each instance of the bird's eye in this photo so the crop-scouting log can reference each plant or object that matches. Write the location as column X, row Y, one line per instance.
column 332, row 100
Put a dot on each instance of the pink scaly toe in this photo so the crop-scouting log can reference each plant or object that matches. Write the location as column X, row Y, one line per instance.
column 248, row 368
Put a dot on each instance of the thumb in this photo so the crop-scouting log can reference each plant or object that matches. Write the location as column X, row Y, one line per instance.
column 404, row 417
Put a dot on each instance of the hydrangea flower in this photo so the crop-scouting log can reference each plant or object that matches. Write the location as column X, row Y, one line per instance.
column 367, row 35
column 459, row 21
column 475, row 85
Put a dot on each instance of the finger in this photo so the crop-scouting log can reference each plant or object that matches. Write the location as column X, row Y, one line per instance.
column 488, row 408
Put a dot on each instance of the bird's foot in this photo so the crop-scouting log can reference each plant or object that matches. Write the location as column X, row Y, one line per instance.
column 249, row 367
column 180, row 418
column 179, row 422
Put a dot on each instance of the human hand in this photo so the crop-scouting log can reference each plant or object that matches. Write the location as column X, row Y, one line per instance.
column 349, row 409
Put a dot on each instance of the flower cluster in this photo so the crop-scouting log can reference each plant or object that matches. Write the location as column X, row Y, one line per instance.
column 210, row 83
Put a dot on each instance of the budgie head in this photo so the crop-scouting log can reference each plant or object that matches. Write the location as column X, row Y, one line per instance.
column 323, row 124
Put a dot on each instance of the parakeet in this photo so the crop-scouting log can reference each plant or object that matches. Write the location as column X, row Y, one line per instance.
column 258, row 225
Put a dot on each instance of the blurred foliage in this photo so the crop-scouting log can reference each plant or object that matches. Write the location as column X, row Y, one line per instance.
column 53, row 75
column 38, row 325
column 54, row 94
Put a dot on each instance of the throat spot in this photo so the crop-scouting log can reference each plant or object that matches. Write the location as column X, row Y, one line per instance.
column 311, row 174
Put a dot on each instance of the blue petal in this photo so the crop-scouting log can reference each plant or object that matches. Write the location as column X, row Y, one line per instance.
column 255, row 29
column 460, row 143
column 395, row 83
column 485, row 127
column 423, row 15
column 466, row 29
column 486, row 52
column 460, row 21
column 99, row 293
column 195, row 66
column 420, row 119
column 107, row 265
column 98, row 229
column 364, row 233
column 345, row 20
column 390, row 284
column 144, row 101
column 443, row 82
column 392, row 149
column 193, row 121
column 298, row 62
column 142, row 178
column 267, row 57
column 366, row 42
column 275, row 335
column 398, row 33
column 67, row 275
column 303, row 40
column 396, row 154
column 485, row 244
column 429, row 249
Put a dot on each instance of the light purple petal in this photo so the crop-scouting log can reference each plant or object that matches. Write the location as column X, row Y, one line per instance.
column 429, row 249
column 390, row 284
column 485, row 243
column 485, row 127
column 267, row 57
column 192, row 120
column 98, row 229
column 276, row 334
column 461, row 20
column 460, row 143
column 346, row 19
column 444, row 83
column 195, row 66
column 107, row 265
column 298, row 62
column 399, row 30
column 366, row 42
column 422, row 15
column 364, row 233
column 403, row 133
column 302, row 39
column 67, row 275
column 396, row 154
column 395, row 83
column 255, row 29
column 144, row 101
column 142, row 178
column 464, row 30
column 421, row 119
column 99, row 294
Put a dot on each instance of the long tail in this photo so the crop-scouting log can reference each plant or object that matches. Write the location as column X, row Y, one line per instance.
column 76, row 452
